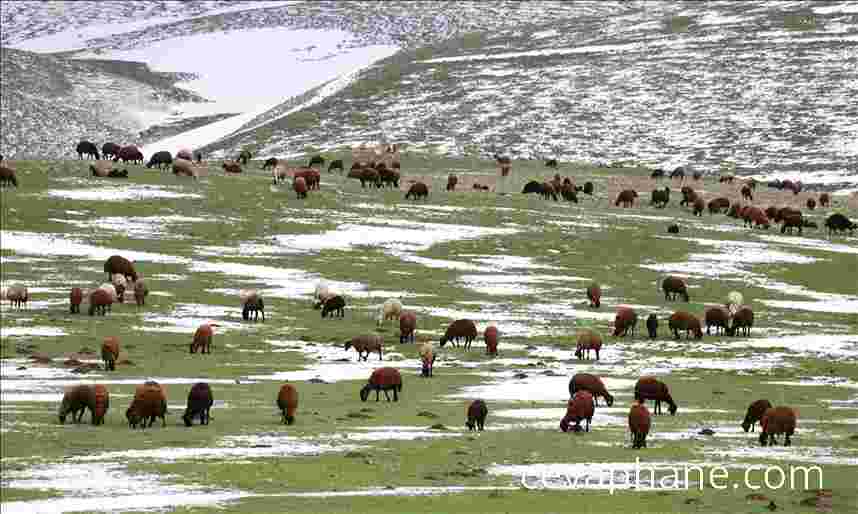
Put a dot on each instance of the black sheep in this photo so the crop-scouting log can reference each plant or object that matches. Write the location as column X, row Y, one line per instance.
column 652, row 326
column 199, row 404
column 161, row 159
column 335, row 305
column 532, row 187
column 87, row 148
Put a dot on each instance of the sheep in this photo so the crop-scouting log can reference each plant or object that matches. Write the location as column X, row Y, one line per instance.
column 390, row 310
column 100, row 169
column 161, row 159
column 650, row 388
column 792, row 220
column 734, row 300
column 660, row 197
column 231, row 167
column 87, row 148
column 588, row 188
column 588, row 340
column 594, row 295
column 771, row 211
column 568, row 193
column 460, row 329
column 452, row 180
column 681, row 320
column 251, row 304
column 532, row 187
column 626, row 197
column 699, row 205
column 718, row 316
column 824, row 199
column 119, row 285
column 389, row 177
column 639, row 424
column 98, row 402
column 130, row 154
column 580, row 407
column 203, row 338
column 383, row 379
column 335, row 165
column 150, row 402
column 548, row 190
column 200, row 402
column 783, row 212
column 490, row 336
column 718, row 204
column 287, row 402
column 110, row 352
column 311, row 177
column 777, row 420
column 271, row 162
column 742, row 319
column 427, row 359
column 673, row 228
column 100, row 301
column 369, row 176
column 839, row 223
column 652, row 326
column 754, row 414
column 75, row 299
column 625, row 321
column 673, row 286
column 322, row 293
column 140, row 292
column 18, row 296
column 8, row 176
column 118, row 264
column 110, row 150
column 365, row 344
column 185, row 168
column 592, row 384
column 75, row 401
column 407, row 326
column 476, row 414
column 417, row 190
column 335, row 305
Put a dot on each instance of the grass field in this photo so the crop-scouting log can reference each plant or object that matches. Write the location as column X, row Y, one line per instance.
column 512, row 260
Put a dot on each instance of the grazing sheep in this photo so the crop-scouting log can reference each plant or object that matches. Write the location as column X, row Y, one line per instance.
column 427, row 358
column 370, row 176
column 161, row 159
column 365, row 344
column 777, row 420
column 99, row 301
column 734, row 300
column 299, row 185
column 460, row 329
column 87, row 148
column 119, row 284
column 335, row 305
column 321, row 294
column 18, row 296
column 185, row 168
column 8, row 176
column 75, row 299
column 110, row 352
column 688, row 196
column 75, row 401
column 271, row 162
column 839, row 223
column 311, row 176
column 389, row 178
column 719, row 317
column 699, row 205
column 244, row 156
column 476, row 414
column 718, row 204
column 755, row 413
column 591, row 383
column 626, row 197
column 625, row 321
column 588, row 188
column 252, row 304
column 130, row 154
column 532, row 187
column 588, row 340
column 743, row 319
column 681, row 320
column 580, row 408
column 657, row 173
column 98, row 403
column 200, row 402
column 594, row 294
column 390, row 310
column 746, row 194
column 639, row 424
column 490, row 336
column 650, row 388
column 231, row 167
column 673, row 286
column 118, row 264
column 150, row 402
column 791, row 221
column 660, row 197
column 140, row 292
column 452, row 180
column 287, row 402
column 824, row 200
column 336, row 165
column 185, row 154
column 652, row 326
column 417, row 190
column 756, row 216
column 407, row 326
column 783, row 212
column 110, row 150
column 673, row 229
column 203, row 338
column 383, row 379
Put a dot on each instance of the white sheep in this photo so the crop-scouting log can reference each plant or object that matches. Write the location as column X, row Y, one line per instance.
column 322, row 293
column 734, row 301
column 120, row 284
column 390, row 310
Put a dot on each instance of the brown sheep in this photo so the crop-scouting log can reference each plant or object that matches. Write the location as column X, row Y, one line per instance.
column 756, row 216
column 140, row 292
column 185, row 168
column 673, row 286
column 75, row 299
column 199, row 404
column 811, row 204
column 626, row 197
column 75, row 401
column 116, row 264
column 771, row 211
column 427, row 358
column 383, row 379
column 287, row 402
column 18, row 296
column 100, row 169
column 580, row 407
column 110, row 352
column 591, row 383
column 791, row 221
column 300, row 187
column 639, row 424
column 203, row 338
column 150, row 402
column 98, row 403
column 699, row 205
column 783, row 212
column 755, row 413
column 625, row 321
column 417, row 190
column 231, row 167
column 824, row 200
column 460, row 329
column 477, row 412
column 370, row 176
column 407, row 326
column 688, row 196
column 594, row 294
column 490, row 336
column 777, row 420
column 681, row 320
column 718, row 316
column 365, row 344
column 452, row 180
column 8, row 176
column 334, row 305
column 743, row 319
column 588, row 340
column 650, row 388
column 99, row 301
column 719, row 204
column 310, row 175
